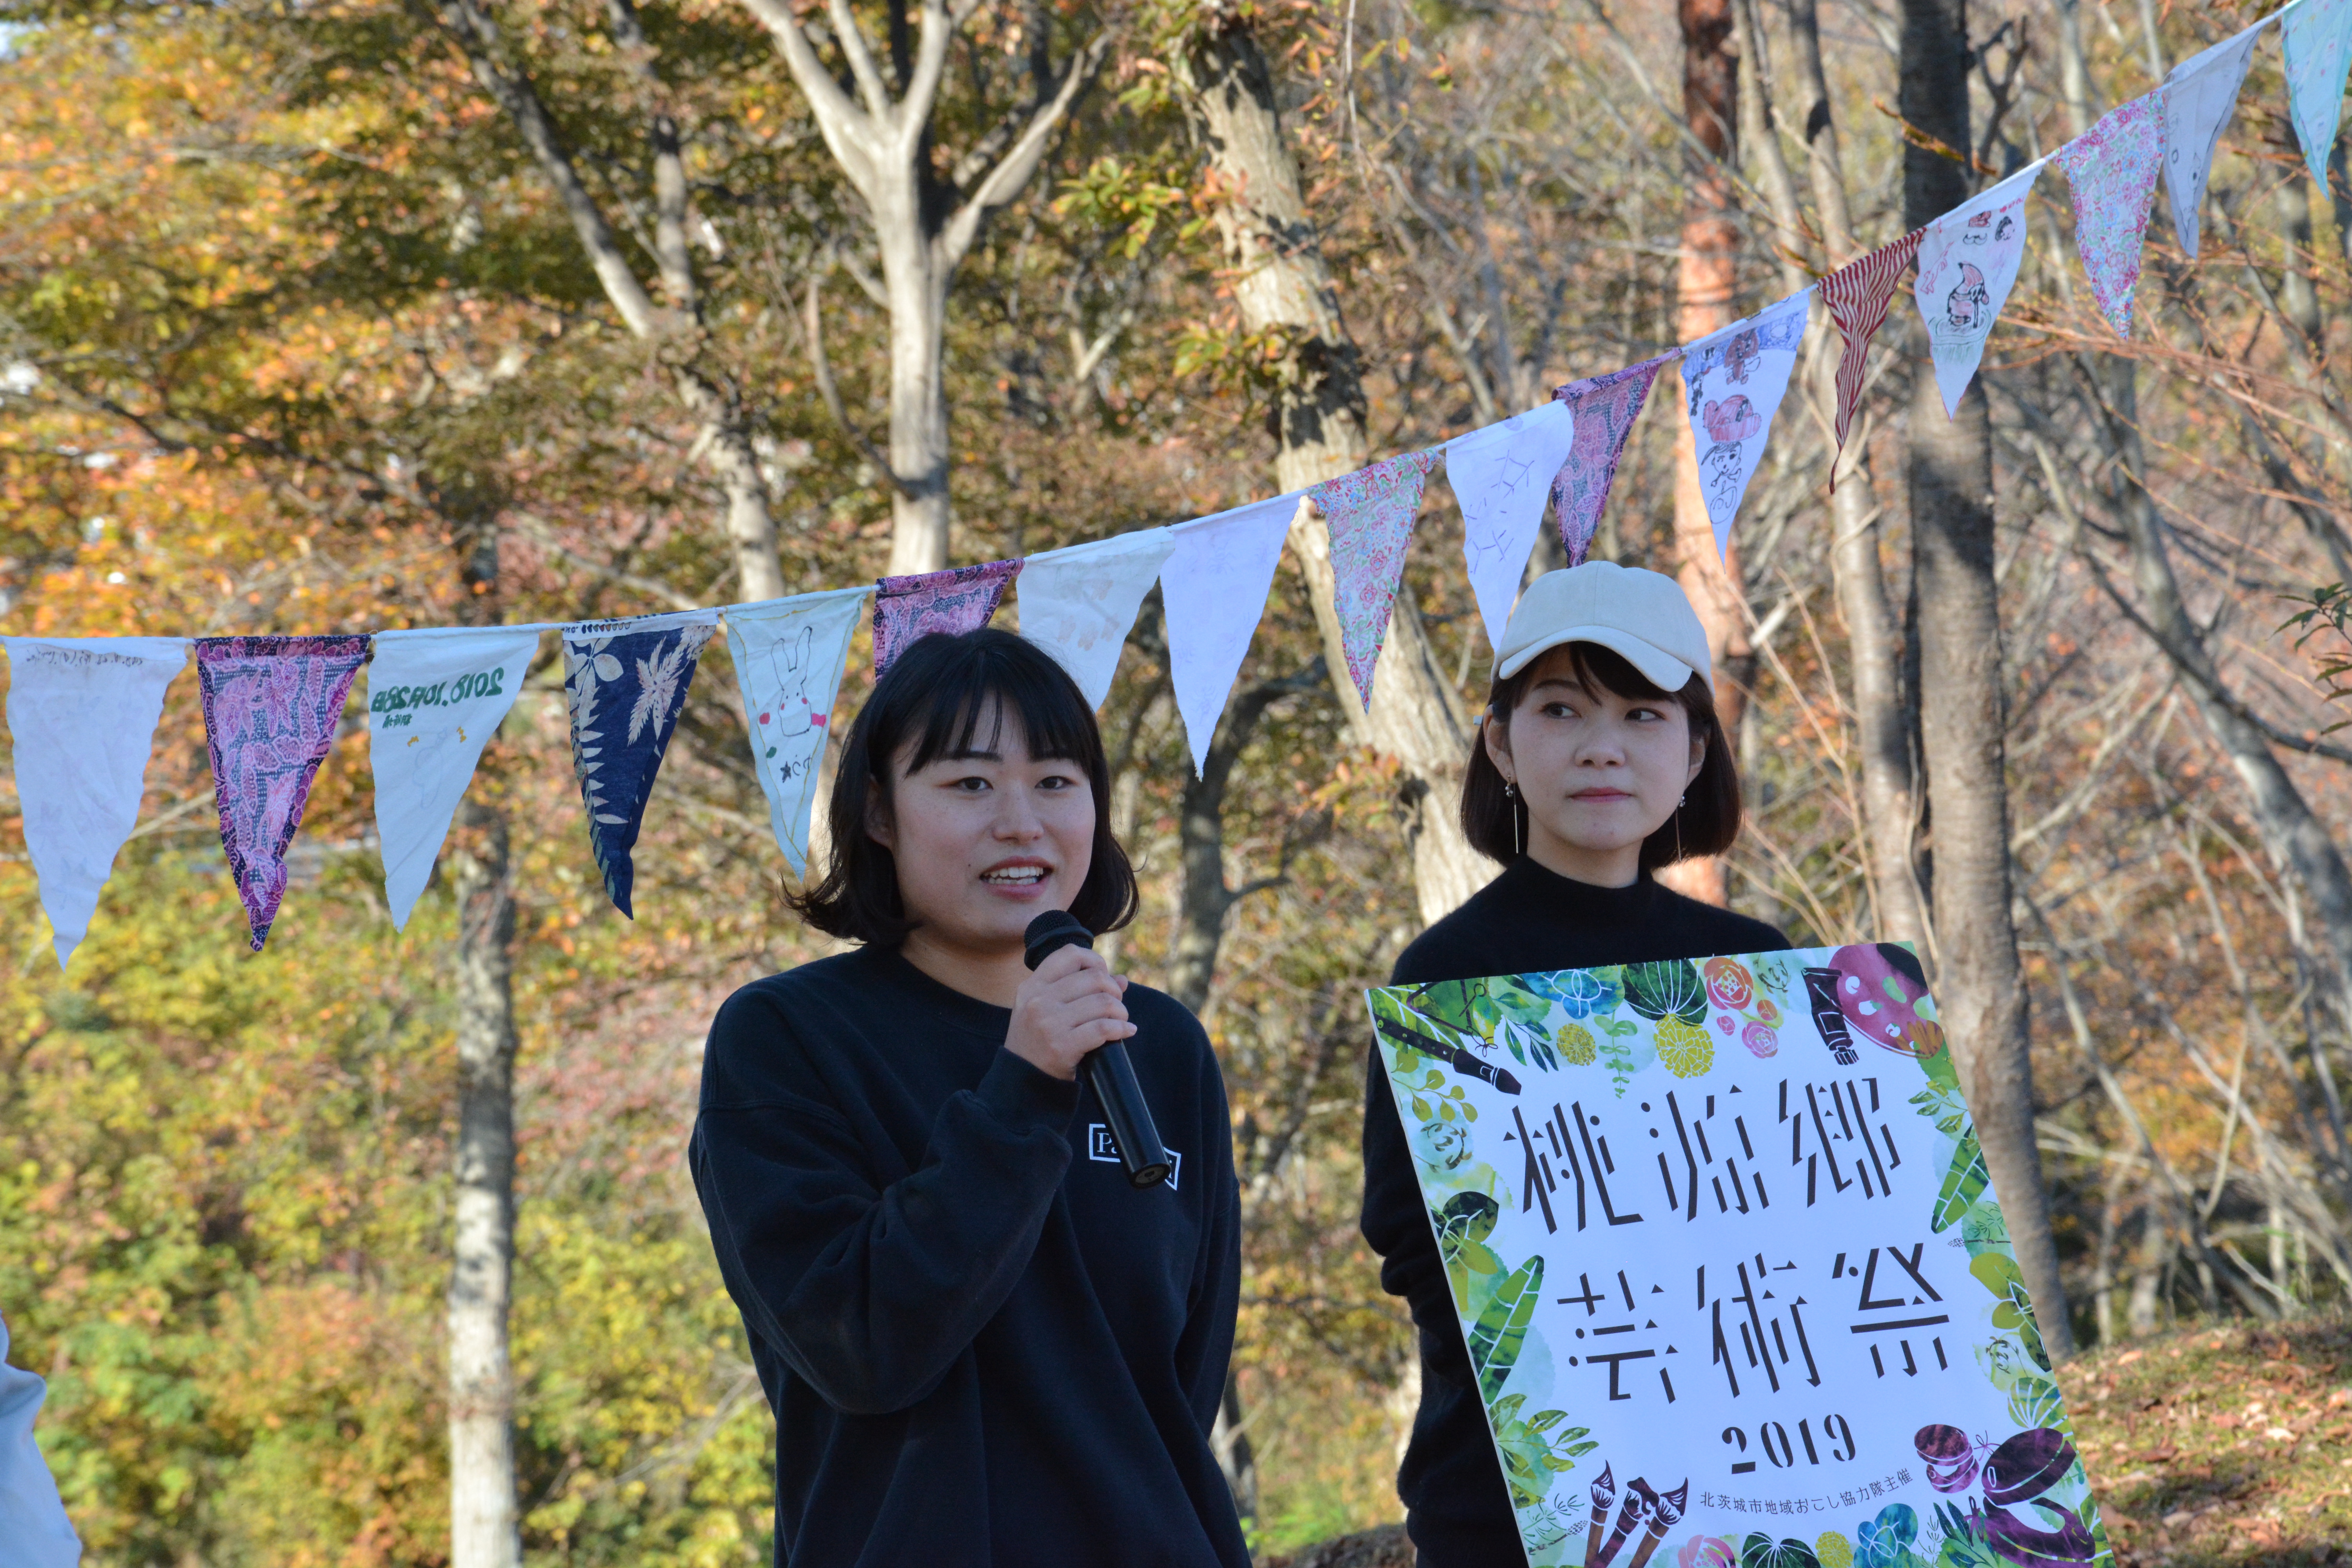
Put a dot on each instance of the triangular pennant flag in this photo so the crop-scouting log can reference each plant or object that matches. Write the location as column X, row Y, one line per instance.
column 1968, row 261
column 2200, row 96
column 1370, row 514
column 1857, row 295
column 1078, row 604
column 1604, row 407
column 2113, row 168
column 788, row 660
column 2318, row 47
column 1213, row 588
column 434, row 697
column 271, row 706
column 1501, row 475
column 1736, row 378
column 82, row 714
column 624, row 683
column 958, row 600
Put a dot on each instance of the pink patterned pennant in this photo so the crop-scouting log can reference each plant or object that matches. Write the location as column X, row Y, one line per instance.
column 1857, row 295
column 958, row 600
column 271, row 708
column 2113, row 168
column 1605, row 408
column 1371, row 512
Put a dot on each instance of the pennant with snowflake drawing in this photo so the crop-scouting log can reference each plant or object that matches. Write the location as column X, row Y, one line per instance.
column 2200, row 97
column 1857, row 295
column 1604, row 407
column 624, row 683
column 271, row 707
column 958, row 600
column 2113, row 168
column 1370, row 514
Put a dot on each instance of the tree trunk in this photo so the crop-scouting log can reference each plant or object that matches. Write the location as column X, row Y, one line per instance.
column 484, row 1522
column 1281, row 284
column 912, row 280
column 1706, row 285
column 1883, row 713
column 1979, row 984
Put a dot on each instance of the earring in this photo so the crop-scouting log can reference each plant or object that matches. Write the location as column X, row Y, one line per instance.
column 1508, row 790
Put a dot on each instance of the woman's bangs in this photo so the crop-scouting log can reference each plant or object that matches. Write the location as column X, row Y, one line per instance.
column 963, row 714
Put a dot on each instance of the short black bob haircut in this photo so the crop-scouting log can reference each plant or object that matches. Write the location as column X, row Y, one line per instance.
column 1705, row 823
column 932, row 703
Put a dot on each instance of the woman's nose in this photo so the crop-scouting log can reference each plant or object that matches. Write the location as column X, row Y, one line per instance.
column 1016, row 817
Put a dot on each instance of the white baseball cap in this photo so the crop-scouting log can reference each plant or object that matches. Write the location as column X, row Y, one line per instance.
column 1644, row 616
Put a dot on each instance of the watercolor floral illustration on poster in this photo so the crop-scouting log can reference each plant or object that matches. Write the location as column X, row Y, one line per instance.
column 1730, row 1269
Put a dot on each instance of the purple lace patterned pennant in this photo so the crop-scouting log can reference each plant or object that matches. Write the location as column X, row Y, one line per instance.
column 1605, row 408
column 959, row 600
column 1370, row 514
column 271, row 707
column 2113, row 168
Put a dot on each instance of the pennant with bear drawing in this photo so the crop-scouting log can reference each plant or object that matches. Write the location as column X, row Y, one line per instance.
column 788, row 661
column 1968, row 262
column 624, row 683
column 1736, row 379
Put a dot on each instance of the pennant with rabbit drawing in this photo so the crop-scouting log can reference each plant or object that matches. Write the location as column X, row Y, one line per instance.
column 787, row 663
column 624, row 683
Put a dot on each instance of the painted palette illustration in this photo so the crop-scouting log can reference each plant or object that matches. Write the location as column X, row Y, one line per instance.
column 1730, row 1267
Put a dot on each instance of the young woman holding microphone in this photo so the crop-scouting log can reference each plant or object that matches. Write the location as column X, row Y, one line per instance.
column 982, row 1346
column 1599, row 760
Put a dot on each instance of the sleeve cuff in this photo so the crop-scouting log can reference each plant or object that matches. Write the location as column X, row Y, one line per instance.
column 1021, row 1097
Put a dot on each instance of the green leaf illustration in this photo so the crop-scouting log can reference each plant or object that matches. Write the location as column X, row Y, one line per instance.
column 1502, row 1328
column 1964, row 1182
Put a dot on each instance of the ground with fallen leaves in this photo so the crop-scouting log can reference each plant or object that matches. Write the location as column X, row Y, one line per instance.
column 2222, row 1446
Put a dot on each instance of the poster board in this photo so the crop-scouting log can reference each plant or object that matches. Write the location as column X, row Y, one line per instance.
column 1729, row 1267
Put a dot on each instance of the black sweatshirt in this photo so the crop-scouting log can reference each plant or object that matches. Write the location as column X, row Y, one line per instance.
column 981, row 1346
column 1527, row 921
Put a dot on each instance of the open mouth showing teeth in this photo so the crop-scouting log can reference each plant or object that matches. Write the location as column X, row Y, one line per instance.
column 1015, row 876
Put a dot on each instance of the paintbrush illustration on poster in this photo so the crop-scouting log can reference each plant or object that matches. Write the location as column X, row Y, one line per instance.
column 1730, row 1269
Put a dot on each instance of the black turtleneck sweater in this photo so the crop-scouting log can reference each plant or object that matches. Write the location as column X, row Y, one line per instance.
column 1527, row 921
column 983, row 1348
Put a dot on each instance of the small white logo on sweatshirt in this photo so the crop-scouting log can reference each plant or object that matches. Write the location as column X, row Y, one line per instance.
column 1101, row 1146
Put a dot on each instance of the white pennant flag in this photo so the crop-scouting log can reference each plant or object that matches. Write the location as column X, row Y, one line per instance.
column 1501, row 477
column 789, row 656
column 1078, row 604
column 1968, row 262
column 1736, row 379
column 2200, row 96
column 435, row 699
column 1213, row 588
column 82, row 714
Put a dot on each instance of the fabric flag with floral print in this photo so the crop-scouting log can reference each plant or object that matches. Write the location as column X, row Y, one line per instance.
column 1371, row 513
column 1857, row 295
column 271, row 707
column 2200, row 97
column 1501, row 475
column 435, row 699
column 1213, row 590
column 1080, row 603
column 82, row 714
column 1604, row 407
column 958, row 600
column 2113, row 168
column 789, row 655
column 2318, row 47
column 1968, row 262
column 1736, row 379
column 624, row 683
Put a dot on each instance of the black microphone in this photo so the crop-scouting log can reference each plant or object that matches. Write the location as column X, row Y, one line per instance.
column 1106, row 1068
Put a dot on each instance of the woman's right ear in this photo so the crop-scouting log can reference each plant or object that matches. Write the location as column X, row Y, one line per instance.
column 878, row 826
column 1495, row 736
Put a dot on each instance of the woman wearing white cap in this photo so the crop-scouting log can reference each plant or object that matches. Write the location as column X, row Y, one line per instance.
column 1600, row 759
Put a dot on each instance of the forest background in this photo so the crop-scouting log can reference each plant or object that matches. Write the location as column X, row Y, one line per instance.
column 360, row 314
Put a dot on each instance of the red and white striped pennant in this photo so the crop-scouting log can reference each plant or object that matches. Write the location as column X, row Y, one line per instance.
column 1857, row 295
